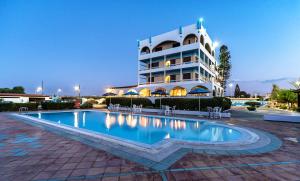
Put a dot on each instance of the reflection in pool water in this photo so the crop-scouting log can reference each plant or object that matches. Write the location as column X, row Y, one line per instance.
column 143, row 129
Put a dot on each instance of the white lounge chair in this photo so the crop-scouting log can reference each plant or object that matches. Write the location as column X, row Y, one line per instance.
column 217, row 113
column 167, row 110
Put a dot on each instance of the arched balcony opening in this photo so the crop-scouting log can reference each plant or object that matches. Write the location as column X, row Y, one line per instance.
column 199, row 86
column 202, row 40
column 145, row 50
column 207, row 47
column 213, row 53
column 145, row 92
column 178, row 92
column 165, row 45
column 189, row 39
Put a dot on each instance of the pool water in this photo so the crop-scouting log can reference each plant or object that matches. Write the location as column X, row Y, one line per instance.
column 141, row 128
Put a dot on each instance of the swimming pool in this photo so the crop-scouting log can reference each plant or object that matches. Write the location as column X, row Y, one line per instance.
column 142, row 128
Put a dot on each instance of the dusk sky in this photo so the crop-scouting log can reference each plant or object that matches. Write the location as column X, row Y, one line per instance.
column 94, row 43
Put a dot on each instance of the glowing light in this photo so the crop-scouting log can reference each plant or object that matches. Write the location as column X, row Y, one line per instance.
column 201, row 19
column 143, row 122
column 120, row 119
column 109, row 121
column 167, row 136
column 108, row 90
column 59, row 90
column 40, row 115
column 76, row 119
column 230, row 85
column 77, row 88
column 39, row 89
column 230, row 130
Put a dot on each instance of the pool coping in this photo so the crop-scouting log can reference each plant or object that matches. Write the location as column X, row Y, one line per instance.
column 165, row 158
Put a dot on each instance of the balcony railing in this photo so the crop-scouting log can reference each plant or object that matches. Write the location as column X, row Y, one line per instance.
column 201, row 78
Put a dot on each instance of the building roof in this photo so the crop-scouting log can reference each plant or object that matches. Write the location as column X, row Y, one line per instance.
column 22, row 95
column 124, row 87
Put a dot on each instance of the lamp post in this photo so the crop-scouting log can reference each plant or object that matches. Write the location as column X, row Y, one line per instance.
column 77, row 90
column 38, row 89
column 58, row 91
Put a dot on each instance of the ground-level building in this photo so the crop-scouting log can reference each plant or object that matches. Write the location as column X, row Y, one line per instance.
column 176, row 62
column 23, row 98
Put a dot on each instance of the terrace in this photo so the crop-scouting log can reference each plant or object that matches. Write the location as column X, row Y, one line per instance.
column 29, row 152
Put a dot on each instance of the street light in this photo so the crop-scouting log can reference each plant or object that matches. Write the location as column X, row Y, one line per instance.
column 39, row 89
column 77, row 89
column 58, row 91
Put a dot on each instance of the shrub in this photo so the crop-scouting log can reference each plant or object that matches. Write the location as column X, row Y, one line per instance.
column 57, row 105
column 15, row 106
column 86, row 105
column 283, row 107
column 192, row 104
column 251, row 108
column 253, row 104
column 126, row 101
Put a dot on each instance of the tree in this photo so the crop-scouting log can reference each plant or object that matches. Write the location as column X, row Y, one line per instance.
column 18, row 90
column 237, row 91
column 225, row 65
column 275, row 92
column 287, row 96
column 244, row 94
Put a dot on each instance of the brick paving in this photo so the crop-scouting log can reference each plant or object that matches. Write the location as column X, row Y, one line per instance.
column 31, row 153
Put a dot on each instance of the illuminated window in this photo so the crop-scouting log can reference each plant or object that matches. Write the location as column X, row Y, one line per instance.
column 178, row 91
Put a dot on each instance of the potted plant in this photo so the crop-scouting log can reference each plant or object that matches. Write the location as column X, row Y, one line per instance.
column 252, row 105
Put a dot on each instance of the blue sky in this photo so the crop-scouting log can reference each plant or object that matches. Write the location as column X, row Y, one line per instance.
column 66, row 42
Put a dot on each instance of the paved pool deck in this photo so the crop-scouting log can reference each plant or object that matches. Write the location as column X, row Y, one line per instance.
column 31, row 153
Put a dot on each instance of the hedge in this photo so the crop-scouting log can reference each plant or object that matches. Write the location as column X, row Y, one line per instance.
column 57, row 105
column 16, row 106
column 192, row 104
column 86, row 105
column 126, row 101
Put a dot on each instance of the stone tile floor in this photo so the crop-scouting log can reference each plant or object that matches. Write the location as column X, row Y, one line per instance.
column 31, row 153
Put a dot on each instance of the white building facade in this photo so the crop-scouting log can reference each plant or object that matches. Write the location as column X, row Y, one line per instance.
column 177, row 62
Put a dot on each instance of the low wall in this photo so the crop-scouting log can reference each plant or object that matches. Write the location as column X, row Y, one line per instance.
column 183, row 112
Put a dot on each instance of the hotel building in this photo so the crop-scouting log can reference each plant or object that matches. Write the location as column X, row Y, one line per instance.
column 176, row 62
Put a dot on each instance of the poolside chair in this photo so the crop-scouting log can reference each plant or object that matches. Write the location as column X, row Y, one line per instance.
column 139, row 108
column 110, row 107
column 217, row 112
column 117, row 107
column 173, row 109
column 210, row 112
column 134, row 108
column 167, row 110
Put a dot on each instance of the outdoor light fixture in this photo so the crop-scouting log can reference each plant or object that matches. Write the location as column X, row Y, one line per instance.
column 77, row 89
column 201, row 19
column 39, row 89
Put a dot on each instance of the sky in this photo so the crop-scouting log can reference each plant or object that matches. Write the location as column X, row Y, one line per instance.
column 94, row 43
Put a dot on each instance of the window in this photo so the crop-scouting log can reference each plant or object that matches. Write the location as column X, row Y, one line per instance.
column 158, row 49
column 202, row 55
column 152, row 79
column 176, row 44
column 187, row 59
column 173, row 61
column 155, row 64
column 186, row 76
column 196, row 76
column 173, row 77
